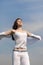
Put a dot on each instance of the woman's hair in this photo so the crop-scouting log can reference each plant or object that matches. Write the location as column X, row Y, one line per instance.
column 15, row 26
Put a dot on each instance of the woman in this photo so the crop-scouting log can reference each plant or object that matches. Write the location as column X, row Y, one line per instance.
column 20, row 37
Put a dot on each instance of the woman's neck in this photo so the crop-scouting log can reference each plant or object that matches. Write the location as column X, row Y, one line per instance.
column 19, row 28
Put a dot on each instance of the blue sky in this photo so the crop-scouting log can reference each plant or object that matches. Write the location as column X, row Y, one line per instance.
column 31, row 11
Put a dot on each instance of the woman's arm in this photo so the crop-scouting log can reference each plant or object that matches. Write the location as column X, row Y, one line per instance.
column 33, row 36
column 6, row 33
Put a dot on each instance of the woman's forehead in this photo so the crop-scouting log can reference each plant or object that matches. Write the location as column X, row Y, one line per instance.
column 19, row 20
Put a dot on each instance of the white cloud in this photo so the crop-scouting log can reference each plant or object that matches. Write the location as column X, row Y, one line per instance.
column 35, row 26
column 36, row 55
column 35, row 23
column 5, row 59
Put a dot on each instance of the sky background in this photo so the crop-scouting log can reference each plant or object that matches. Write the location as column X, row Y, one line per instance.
column 31, row 12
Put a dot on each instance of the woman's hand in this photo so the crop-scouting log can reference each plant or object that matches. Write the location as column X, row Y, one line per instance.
column 36, row 36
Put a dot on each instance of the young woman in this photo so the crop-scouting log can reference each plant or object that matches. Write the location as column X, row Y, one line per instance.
column 19, row 35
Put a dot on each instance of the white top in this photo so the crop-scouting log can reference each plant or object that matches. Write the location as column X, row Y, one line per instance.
column 20, row 39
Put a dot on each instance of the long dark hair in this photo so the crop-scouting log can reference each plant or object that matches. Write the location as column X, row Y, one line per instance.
column 15, row 26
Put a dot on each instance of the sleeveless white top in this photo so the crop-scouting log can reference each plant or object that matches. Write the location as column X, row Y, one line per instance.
column 20, row 39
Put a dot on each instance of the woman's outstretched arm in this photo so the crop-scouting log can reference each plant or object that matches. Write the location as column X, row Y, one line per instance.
column 6, row 33
column 33, row 36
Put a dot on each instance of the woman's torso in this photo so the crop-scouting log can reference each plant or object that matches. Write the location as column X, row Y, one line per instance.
column 20, row 39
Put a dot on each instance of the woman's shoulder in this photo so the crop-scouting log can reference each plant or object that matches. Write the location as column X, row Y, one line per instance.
column 13, row 30
column 26, row 31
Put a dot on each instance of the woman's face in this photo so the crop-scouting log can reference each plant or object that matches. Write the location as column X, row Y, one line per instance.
column 19, row 23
